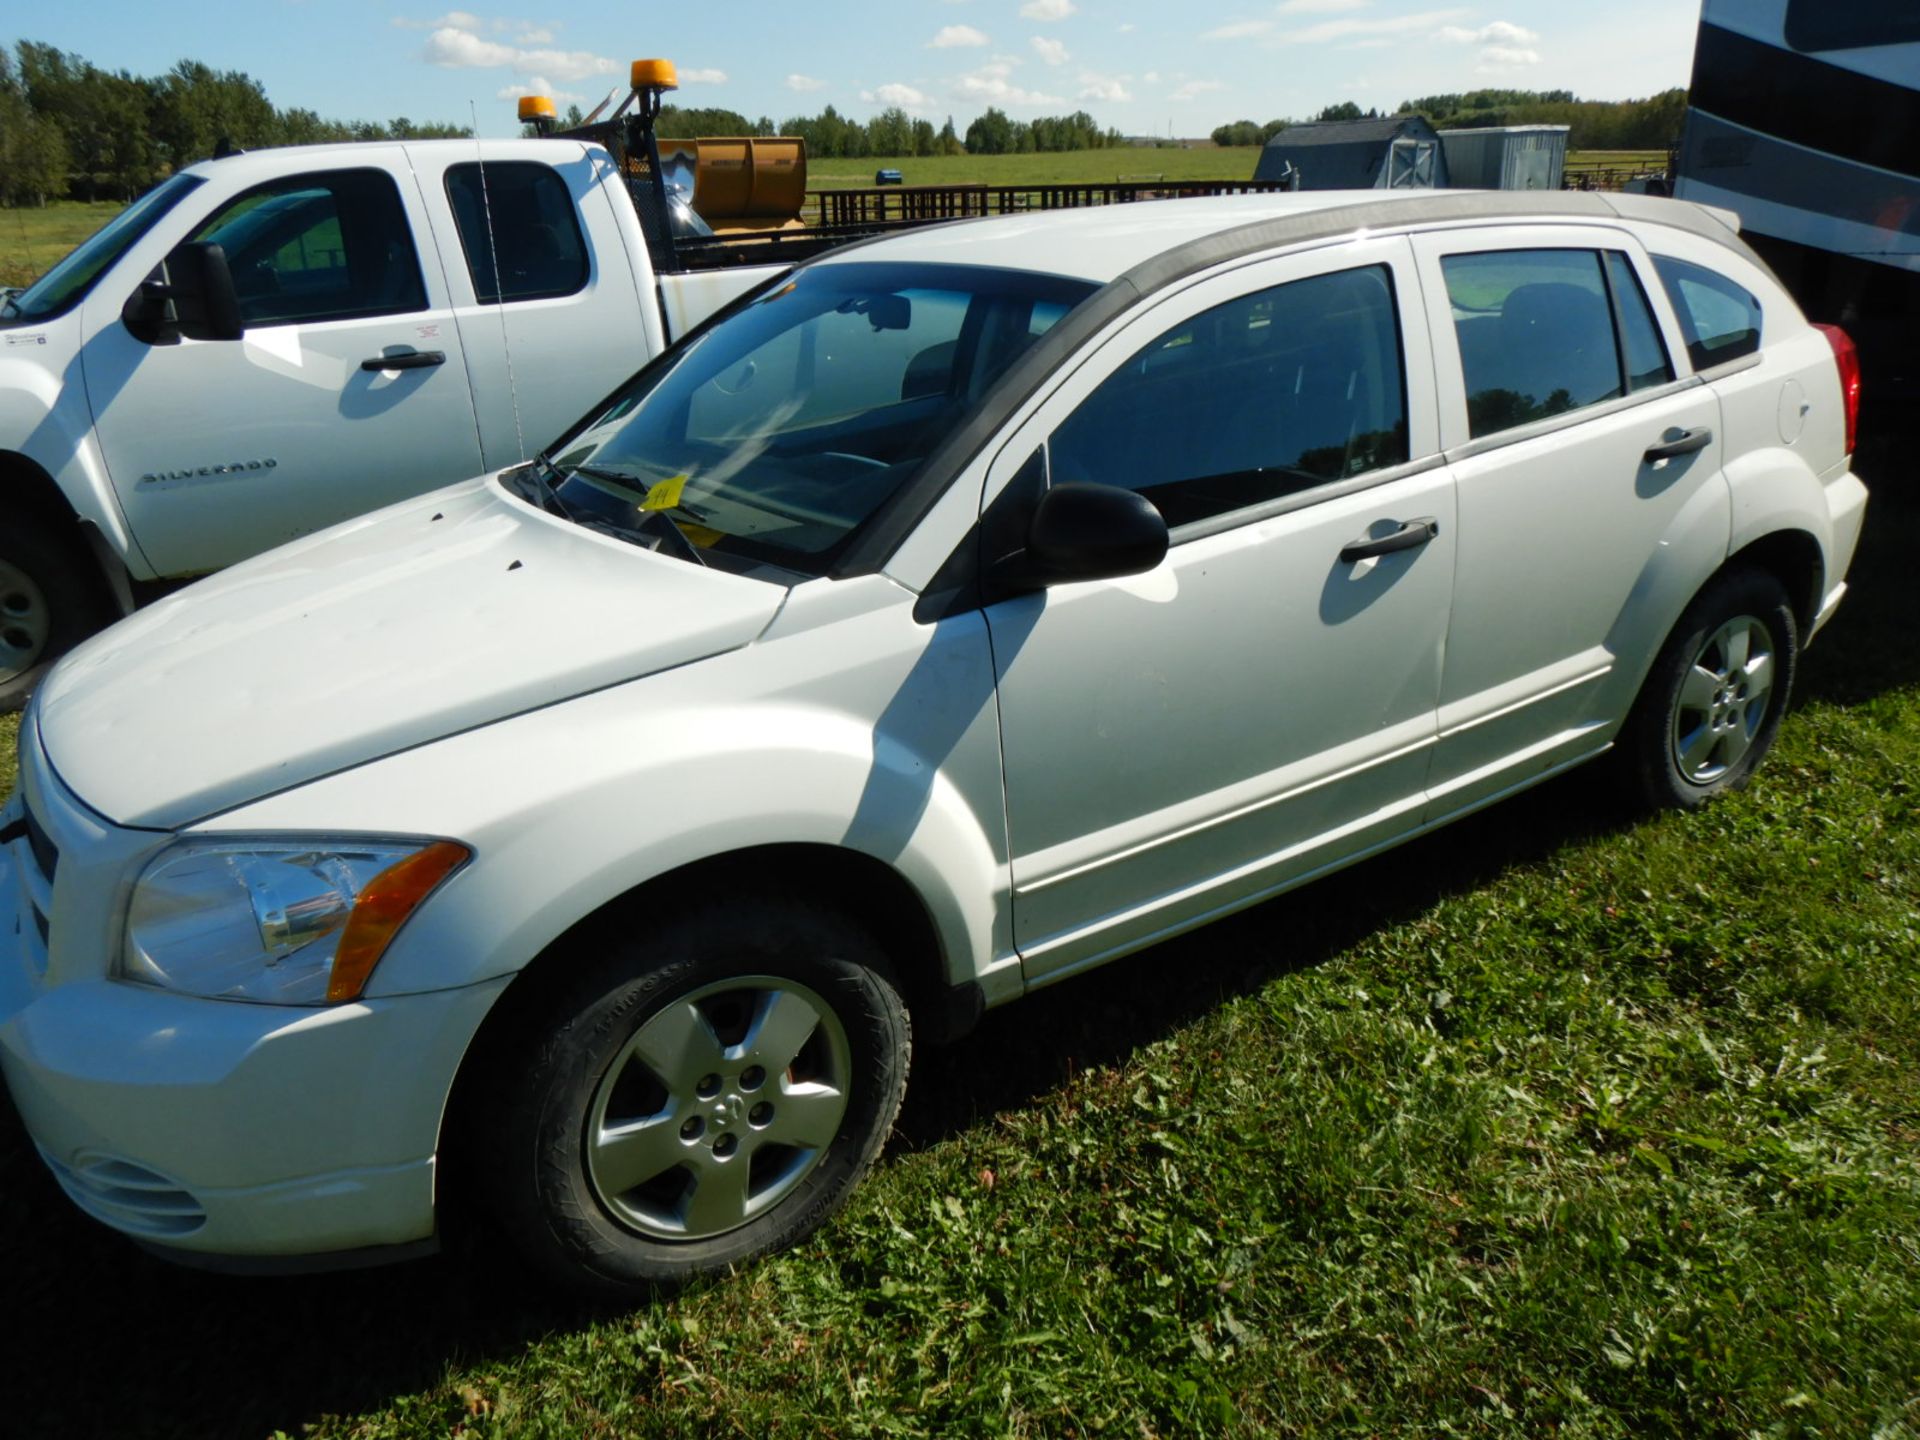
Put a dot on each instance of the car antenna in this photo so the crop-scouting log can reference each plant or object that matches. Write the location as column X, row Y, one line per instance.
column 499, row 296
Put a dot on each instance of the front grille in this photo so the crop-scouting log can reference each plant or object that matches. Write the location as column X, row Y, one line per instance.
column 45, row 854
column 128, row 1196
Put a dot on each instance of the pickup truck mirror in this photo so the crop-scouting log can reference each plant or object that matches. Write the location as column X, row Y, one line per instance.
column 191, row 296
column 1086, row 532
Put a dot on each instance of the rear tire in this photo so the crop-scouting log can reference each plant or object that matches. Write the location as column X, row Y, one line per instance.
column 49, row 601
column 707, row 1088
column 1713, row 701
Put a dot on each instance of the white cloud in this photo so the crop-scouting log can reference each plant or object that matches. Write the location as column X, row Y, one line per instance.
column 1054, row 52
column 905, row 96
column 1111, row 88
column 537, row 85
column 1128, row 28
column 1196, row 88
column 703, row 77
column 957, row 36
column 1152, row 77
column 1505, row 59
column 1500, row 32
column 534, row 35
column 1320, row 7
column 992, row 85
column 1048, row 9
column 803, row 84
column 455, row 49
column 1328, row 30
column 1238, row 30
column 1504, row 46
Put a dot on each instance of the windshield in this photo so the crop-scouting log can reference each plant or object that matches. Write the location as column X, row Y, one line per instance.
column 68, row 282
column 771, row 437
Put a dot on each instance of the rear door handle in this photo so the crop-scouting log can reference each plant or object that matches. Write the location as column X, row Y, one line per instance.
column 1685, row 443
column 1414, row 532
column 407, row 360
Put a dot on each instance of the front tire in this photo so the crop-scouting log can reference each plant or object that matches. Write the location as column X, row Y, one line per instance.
column 699, row 1094
column 49, row 602
column 1714, row 699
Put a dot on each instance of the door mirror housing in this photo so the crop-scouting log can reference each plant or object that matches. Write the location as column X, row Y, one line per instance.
column 190, row 297
column 1081, row 531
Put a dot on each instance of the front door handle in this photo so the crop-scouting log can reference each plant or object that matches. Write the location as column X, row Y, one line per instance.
column 1414, row 532
column 1685, row 443
column 406, row 360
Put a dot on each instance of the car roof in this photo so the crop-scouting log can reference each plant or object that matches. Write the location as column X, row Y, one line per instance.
column 1101, row 243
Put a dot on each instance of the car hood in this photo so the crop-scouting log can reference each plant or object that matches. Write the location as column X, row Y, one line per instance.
column 433, row 616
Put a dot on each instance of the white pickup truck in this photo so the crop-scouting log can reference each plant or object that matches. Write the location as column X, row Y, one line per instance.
column 377, row 320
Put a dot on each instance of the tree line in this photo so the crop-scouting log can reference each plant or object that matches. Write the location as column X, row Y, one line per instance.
column 70, row 130
column 893, row 132
column 1649, row 124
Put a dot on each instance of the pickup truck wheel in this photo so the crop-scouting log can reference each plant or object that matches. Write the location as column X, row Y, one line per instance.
column 1713, row 701
column 701, row 1093
column 48, row 604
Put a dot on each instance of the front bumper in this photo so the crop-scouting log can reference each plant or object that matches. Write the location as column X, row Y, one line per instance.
column 206, row 1125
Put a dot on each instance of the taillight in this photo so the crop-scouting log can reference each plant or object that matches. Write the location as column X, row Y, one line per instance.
column 1846, row 360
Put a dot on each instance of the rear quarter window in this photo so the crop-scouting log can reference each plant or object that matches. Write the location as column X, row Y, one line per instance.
column 1720, row 318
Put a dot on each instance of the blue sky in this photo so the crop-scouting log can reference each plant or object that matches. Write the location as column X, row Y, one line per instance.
column 1139, row 66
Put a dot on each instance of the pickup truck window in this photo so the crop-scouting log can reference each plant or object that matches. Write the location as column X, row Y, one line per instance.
column 525, row 207
column 332, row 245
column 1263, row 397
column 67, row 284
column 772, row 437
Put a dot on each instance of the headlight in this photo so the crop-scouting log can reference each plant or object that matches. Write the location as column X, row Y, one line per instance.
column 281, row 922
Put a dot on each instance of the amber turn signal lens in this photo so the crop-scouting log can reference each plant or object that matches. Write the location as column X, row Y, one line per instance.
column 654, row 75
column 382, row 908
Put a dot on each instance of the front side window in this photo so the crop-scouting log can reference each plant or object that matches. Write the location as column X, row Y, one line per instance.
column 1720, row 320
column 68, row 282
column 1252, row 401
column 328, row 246
column 773, row 436
column 518, row 231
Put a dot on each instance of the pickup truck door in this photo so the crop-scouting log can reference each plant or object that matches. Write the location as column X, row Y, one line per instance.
column 348, row 392
column 551, row 312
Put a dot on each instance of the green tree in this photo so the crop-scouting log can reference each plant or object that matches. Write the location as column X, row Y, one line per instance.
column 990, row 134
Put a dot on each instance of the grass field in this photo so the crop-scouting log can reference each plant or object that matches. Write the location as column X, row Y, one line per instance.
column 1559, row 1122
column 31, row 240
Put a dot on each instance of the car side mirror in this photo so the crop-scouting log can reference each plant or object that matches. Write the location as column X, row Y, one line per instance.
column 191, row 296
column 1086, row 532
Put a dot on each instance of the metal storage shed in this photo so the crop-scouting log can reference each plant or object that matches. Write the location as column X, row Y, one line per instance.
column 1507, row 157
column 1401, row 152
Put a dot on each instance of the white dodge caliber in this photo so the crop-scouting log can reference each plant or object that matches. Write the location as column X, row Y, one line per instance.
column 956, row 613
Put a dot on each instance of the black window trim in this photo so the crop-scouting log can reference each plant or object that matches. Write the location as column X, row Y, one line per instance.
column 413, row 246
column 1617, row 306
column 587, row 268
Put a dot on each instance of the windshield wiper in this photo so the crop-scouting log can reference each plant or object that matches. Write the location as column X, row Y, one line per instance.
column 663, row 525
column 10, row 301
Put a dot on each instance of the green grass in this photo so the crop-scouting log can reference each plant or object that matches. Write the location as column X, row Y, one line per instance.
column 1556, row 1123
column 1126, row 162
column 32, row 239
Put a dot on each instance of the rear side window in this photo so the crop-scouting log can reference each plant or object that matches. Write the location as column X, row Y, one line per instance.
column 1265, row 396
column 1721, row 320
column 518, row 231
column 332, row 245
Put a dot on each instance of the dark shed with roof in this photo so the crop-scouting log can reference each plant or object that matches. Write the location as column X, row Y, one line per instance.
column 1400, row 152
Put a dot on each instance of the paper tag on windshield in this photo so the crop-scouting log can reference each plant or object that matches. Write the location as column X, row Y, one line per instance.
column 665, row 495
